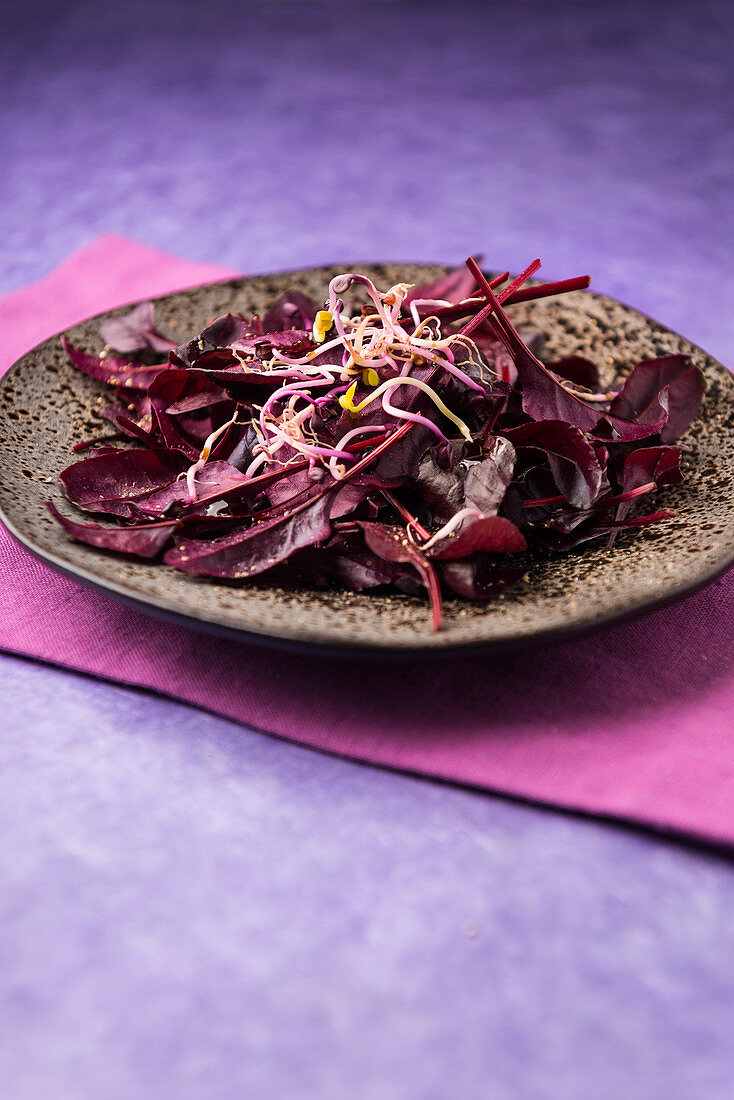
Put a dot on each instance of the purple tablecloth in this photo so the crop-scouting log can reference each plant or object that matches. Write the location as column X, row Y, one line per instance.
column 193, row 910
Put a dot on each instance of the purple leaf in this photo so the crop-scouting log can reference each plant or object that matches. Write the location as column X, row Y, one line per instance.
column 134, row 331
column 205, row 397
column 392, row 544
column 670, row 388
column 215, row 481
column 492, row 535
column 479, row 579
column 115, row 482
column 360, row 569
column 562, row 541
column 442, row 489
column 111, row 413
column 232, row 331
column 658, row 464
column 244, row 554
column 116, row 372
column 141, row 541
column 573, row 461
column 168, row 391
column 292, row 310
column 480, row 485
column 221, row 332
column 576, row 369
column 401, row 461
column 487, row 481
column 545, row 398
column 294, row 341
column 133, row 430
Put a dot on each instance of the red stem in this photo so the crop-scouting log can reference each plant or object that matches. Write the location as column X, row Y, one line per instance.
column 362, row 444
column 504, row 326
column 526, row 294
column 460, row 309
column 641, row 521
column 540, row 502
column 492, row 300
column 434, row 593
column 640, row 491
column 94, row 442
column 405, row 513
column 605, row 502
column 530, row 293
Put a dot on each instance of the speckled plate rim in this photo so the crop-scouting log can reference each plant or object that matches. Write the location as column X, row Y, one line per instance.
column 339, row 646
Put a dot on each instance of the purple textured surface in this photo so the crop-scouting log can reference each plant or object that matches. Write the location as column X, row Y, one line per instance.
column 273, row 135
column 191, row 909
column 194, row 910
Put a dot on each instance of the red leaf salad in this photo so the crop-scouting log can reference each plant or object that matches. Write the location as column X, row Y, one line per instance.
column 407, row 438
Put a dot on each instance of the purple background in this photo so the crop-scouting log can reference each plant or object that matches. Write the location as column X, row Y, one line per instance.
column 190, row 909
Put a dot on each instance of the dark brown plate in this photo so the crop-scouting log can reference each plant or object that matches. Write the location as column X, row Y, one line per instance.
column 46, row 407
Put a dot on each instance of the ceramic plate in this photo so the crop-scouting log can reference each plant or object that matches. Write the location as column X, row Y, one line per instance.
column 46, row 407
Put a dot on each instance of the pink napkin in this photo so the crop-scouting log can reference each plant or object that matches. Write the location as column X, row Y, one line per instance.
column 633, row 723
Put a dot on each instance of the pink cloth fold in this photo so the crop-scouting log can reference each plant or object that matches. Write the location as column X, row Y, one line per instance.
column 633, row 723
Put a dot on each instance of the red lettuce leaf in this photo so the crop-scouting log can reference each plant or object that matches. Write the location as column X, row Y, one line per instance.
column 244, row 554
column 573, row 461
column 468, row 484
column 576, row 369
column 479, row 578
column 116, row 372
column 491, row 535
column 292, row 310
column 392, row 544
column 140, row 541
column 135, row 331
column 115, row 482
column 671, row 387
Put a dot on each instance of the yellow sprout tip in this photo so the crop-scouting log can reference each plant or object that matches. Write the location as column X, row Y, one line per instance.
column 347, row 399
column 321, row 325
